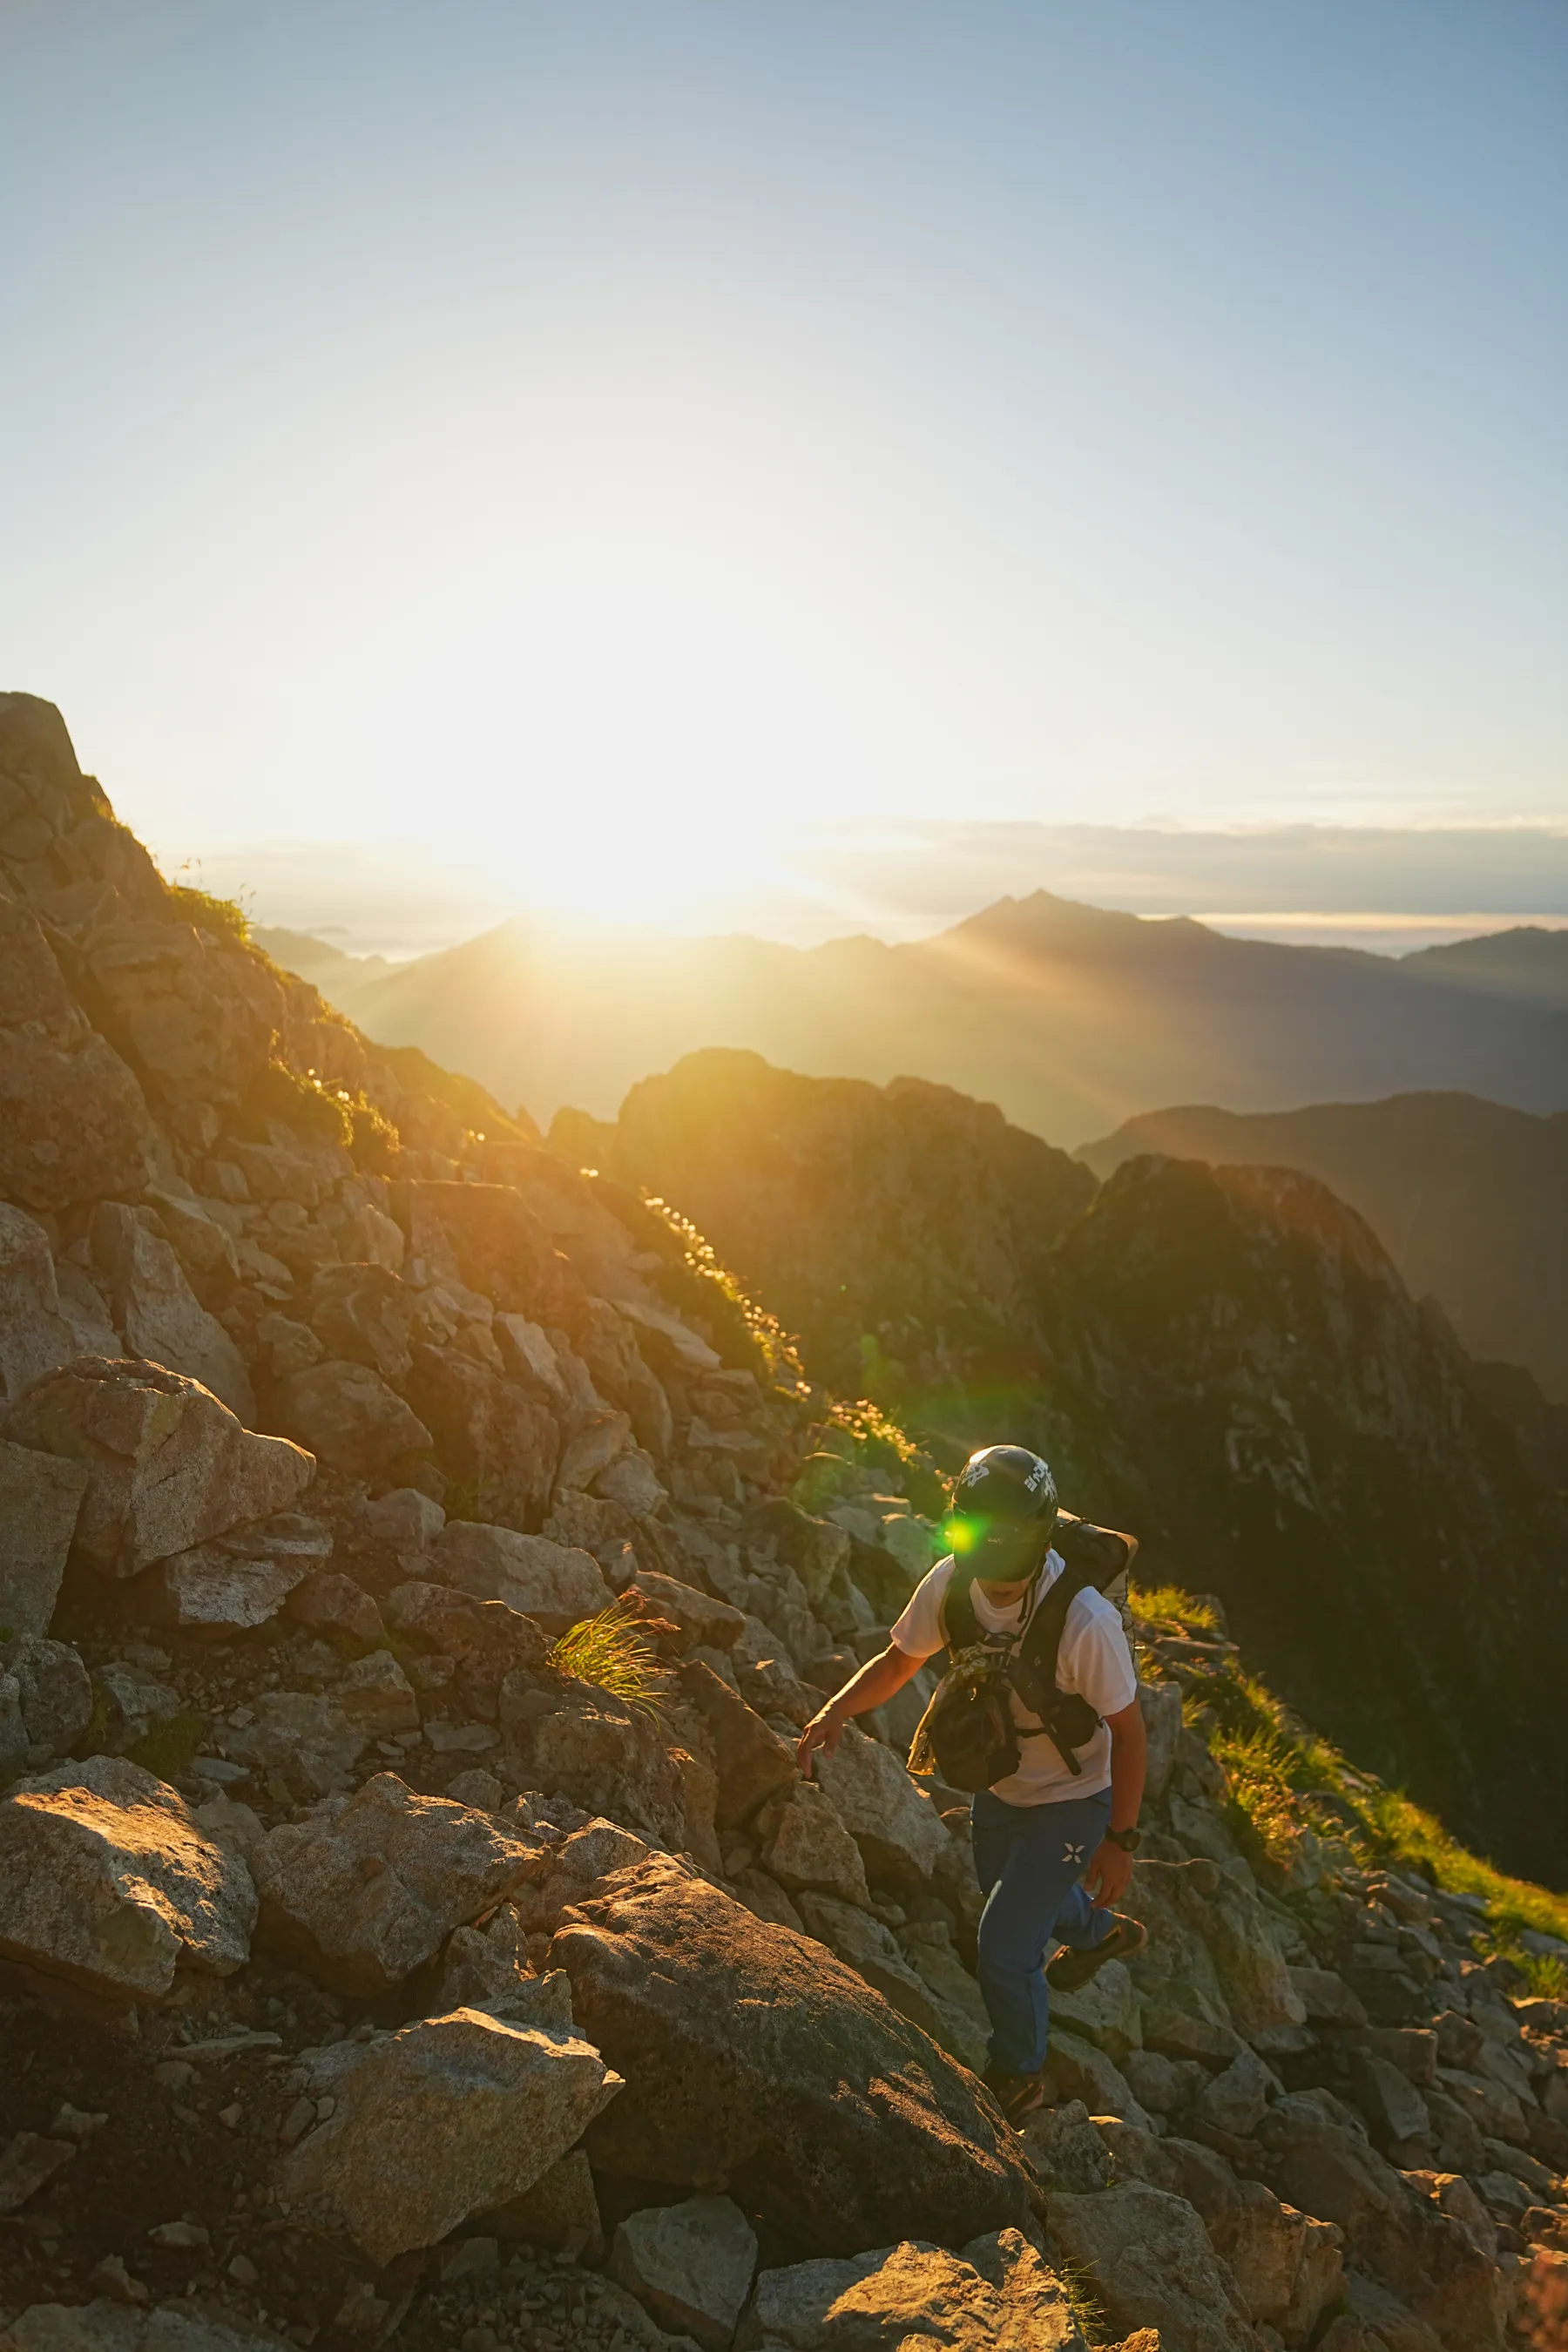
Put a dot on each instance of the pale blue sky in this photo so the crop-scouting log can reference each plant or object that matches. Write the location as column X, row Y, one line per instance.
column 567, row 431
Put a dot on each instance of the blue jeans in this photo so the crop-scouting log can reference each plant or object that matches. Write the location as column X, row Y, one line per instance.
column 1030, row 1860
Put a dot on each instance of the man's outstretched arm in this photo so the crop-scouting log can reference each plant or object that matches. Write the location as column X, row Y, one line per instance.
column 878, row 1680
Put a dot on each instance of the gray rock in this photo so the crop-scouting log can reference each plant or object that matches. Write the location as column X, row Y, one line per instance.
column 1106, row 2012
column 1394, row 2107
column 1076, row 2069
column 1326, row 1997
column 404, row 1520
column 825, row 2112
column 26, row 2161
column 133, row 1701
column 868, row 1947
column 1151, row 2266
column 73, row 1123
column 1210, row 1952
column 701, row 1620
column 806, row 1846
column 451, row 2117
column 108, row 2325
column 348, row 1415
column 35, row 1336
column 108, row 1880
column 243, row 1578
column 689, row 2265
column 1161, row 1706
column 1236, row 2100
column 572, row 1739
column 40, row 1498
column 54, row 1690
column 900, row 1834
column 366, row 1891
column 200, row 1240
column 482, row 1965
column 546, row 1580
column 997, row 2296
column 362, row 1316
column 562, row 2207
column 168, row 1463
column 159, row 1313
column 632, row 1481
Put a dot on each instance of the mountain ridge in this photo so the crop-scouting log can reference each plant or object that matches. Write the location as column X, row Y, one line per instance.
column 1071, row 1018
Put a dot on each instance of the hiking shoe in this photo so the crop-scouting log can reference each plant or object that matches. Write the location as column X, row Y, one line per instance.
column 1017, row 2095
column 1070, row 1968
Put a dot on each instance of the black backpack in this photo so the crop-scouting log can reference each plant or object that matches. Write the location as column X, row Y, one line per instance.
column 967, row 1735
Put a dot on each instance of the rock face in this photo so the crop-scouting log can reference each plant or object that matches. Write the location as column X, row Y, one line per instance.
column 168, row 1465
column 346, row 1414
column 73, row 1123
column 900, row 1834
column 1209, row 1950
column 108, row 1880
column 54, row 1692
column 365, row 1891
column 243, row 1578
column 553, row 1583
column 752, row 2057
column 157, row 1311
column 1153, row 2266
column 35, row 1336
column 690, row 2265
column 39, row 1500
column 997, row 2296
column 572, row 1740
column 451, row 2116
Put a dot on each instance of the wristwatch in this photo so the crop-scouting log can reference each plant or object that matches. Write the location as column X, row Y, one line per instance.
column 1128, row 1839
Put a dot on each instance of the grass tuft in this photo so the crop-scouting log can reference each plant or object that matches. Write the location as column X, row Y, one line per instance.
column 1167, row 1605
column 611, row 1652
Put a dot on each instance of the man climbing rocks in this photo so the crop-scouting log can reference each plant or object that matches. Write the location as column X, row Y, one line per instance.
column 1038, row 1715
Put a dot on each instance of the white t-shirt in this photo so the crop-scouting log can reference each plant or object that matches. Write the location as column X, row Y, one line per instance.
column 1093, row 1660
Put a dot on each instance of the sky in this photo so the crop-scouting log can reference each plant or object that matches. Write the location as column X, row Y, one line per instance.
column 591, row 457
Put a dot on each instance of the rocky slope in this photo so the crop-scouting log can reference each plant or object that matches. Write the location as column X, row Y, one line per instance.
column 402, row 1942
column 1465, row 1196
column 1226, row 1357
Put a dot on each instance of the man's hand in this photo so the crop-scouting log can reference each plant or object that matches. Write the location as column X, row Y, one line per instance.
column 1109, row 1874
column 822, row 1733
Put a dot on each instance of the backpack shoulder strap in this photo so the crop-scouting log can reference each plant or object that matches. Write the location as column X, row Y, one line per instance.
column 960, row 1625
column 1043, row 1638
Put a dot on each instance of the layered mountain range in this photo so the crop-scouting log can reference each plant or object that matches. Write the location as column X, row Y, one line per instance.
column 1070, row 1018
column 417, row 1557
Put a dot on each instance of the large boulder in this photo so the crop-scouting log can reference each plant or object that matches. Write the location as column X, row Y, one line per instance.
column 900, row 1834
column 365, row 1892
column 39, row 1501
column 158, row 1312
column 491, row 1434
column 570, row 1738
column 108, row 1880
column 73, row 1123
column 1150, row 2264
column 807, row 1848
column 554, row 1583
column 451, row 2117
column 35, row 1336
column 168, row 1465
column 1210, row 1951
column 997, row 2297
column 108, row 2325
column 348, row 1415
column 872, row 1952
column 756, row 2060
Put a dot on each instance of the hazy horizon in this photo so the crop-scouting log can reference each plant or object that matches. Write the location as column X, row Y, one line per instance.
column 563, row 448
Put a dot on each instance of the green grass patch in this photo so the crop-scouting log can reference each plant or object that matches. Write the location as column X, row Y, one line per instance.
column 611, row 1652
column 225, row 918
column 1284, row 1777
column 1167, row 1605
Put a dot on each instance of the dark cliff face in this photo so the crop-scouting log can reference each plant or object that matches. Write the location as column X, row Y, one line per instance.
column 1243, row 1377
column 905, row 1229
column 1224, row 1360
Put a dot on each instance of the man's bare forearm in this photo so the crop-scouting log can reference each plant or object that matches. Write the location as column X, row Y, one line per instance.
column 878, row 1680
column 1129, row 1765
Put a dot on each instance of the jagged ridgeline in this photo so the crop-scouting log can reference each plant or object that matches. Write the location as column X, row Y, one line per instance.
column 417, row 1560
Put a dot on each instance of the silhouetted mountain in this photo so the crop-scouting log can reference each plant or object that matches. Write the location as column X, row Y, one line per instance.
column 1070, row 1018
column 1469, row 1199
column 1226, row 1359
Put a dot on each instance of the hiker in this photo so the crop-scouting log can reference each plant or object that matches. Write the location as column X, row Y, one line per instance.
column 1037, row 1715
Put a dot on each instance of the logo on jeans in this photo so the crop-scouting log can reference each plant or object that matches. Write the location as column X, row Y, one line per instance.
column 1073, row 1854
